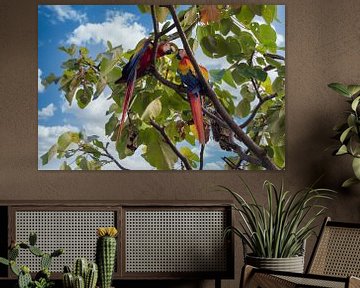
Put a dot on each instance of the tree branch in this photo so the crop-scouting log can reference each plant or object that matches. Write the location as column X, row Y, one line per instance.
column 169, row 142
column 202, row 157
column 257, row 107
column 108, row 155
column 275, row 56
column 258, row 151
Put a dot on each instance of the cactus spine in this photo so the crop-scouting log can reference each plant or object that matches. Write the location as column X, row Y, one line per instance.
column 106, row 254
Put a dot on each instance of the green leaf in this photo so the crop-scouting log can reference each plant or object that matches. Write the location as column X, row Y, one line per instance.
column 209, row 44
column 110, row 125
column 65, row 166
column 340, row 88
column 342, row 150
column 157, row 152
column 144, row 8
column 228, row 78
column 4, row 261
column 50, row 154
column 69, row 50
column 83, row 96
column 225, row 25
column 100, row 86
column 353, row 89
column 356, row 167
column 109, row 45
column 278, row 86
column 269, row 13
column 345, row 134
column 245, row 15
column 252, row 72
column 243, row 108
column 51, row 78
column 247, row 43
column 237, row 76
column 161, row 13
column 217, row 74
column 153, row 110
column 66, row 139
column 267, row 35
column 349, row 182
column 355, row 103
column 190, row 156
column 190, row 16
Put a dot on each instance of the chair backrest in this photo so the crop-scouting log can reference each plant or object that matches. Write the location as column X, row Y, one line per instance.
column 337, row 251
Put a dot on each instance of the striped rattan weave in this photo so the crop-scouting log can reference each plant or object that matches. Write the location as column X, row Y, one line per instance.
column 338, row 253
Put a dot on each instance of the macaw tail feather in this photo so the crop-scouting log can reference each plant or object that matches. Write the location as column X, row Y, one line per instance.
column 128, row 94
column 196, row 109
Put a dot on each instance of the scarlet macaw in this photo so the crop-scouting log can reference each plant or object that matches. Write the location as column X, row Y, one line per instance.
column 194, row 90
column 136, row 68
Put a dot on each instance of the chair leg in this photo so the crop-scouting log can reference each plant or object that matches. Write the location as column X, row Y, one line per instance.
column 246, row 274
column 217, row 283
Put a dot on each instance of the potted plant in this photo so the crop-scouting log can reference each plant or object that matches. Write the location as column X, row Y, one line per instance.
column 349, row 131
column 276, row 233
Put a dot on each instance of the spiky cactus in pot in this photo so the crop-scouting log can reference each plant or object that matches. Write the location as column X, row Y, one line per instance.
column 85, row 275
column 106, row 254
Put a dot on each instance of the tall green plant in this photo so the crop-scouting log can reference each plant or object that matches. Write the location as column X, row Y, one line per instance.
column 348, row 132
column 279, row 229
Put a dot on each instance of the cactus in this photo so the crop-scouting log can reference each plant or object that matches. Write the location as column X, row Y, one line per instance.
column 24, row 280
column 105, row 254
column 68, row 280
column 45, row 261
column 32, row 239
column 80, row 268
column 91, row 276
column 23, row 273
column 13, row 253
column 87, row 272
column 79, row 282
column 36, row 251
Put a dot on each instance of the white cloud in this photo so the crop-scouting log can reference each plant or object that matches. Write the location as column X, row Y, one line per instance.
column 66, row 12
column 92, row 118
column 41, row 87
column 280, row 40
column 47, row 136
column 47, row 111
column 118, row 28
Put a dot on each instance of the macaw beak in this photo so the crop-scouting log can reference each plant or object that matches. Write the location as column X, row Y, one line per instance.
column 178, row 56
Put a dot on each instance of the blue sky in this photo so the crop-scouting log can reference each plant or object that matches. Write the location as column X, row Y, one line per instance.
column 92, row 26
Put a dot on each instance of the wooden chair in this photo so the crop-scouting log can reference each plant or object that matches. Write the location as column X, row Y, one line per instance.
column 334, row 263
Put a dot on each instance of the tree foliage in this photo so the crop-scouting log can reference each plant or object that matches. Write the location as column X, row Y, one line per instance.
column 241, row 35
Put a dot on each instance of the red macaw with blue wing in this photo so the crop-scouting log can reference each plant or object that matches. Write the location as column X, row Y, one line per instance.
column 194, row 90
column 136, row 68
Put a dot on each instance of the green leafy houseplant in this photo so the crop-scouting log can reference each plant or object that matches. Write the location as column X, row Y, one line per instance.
column 349, row 131
column 279, row 229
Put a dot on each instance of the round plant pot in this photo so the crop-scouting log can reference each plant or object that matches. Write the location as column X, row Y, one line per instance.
column 291, row 264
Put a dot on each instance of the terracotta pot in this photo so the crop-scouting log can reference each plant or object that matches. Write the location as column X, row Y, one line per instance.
column 291, row 264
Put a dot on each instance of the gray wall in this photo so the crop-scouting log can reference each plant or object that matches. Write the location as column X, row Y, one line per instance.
column 323, row 40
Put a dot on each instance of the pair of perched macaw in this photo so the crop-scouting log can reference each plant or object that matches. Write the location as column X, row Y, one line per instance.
column 137, row 67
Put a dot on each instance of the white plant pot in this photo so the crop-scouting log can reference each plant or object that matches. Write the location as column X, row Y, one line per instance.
column 291, row 264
